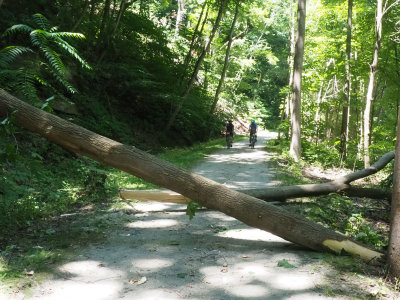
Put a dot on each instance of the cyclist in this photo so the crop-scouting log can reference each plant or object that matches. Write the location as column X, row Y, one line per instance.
column 229, row 131
column 253, row 130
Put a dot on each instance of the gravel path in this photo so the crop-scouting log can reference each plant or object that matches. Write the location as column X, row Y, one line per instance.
column 158, row 253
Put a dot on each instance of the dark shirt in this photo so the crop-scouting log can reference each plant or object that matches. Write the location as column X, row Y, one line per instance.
column 253, row 128
column 229, row 128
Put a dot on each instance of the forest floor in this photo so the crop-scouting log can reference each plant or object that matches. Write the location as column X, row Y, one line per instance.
column 153, row 251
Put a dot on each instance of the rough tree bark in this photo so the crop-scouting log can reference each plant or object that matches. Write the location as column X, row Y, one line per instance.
column 394, row 243
column 295, row 143
column 249, row 210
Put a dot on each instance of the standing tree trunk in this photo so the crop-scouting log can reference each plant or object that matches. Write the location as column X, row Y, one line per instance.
column 104, row 21
column 83, row 14
column 295, row 143
column 225, row 67
column 249, row 210
column 179, row 16
column 285, row 114
column 372, row 82
column 110, row 35
column 197, row 67
column 195, row 35
column 344, row 132
column 394, row 243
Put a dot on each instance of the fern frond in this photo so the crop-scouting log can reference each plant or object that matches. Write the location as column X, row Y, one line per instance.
column 61, row 80
column 74, row 35
column 41, row 80
column 38, row 37
column 53, row 58
column 41, row 21
column 71, row 51
column 53, row 29
column 20, row 82
column 10, row 53
column 17, row 28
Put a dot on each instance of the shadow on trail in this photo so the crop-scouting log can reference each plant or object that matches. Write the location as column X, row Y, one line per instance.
column 155, row 252
column 212, row 257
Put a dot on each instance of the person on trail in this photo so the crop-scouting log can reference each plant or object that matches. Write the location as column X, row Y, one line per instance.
column 229, row 131
column 253, row 130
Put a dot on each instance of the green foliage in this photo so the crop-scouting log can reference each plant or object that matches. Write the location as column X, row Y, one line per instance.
column 38, row 61
column 285, row 264
column 341, row 214
column 191, row 209
column 358, row 227
column 322, row 153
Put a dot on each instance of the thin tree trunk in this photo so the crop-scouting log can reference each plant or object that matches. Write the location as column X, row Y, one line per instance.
column 225, row 67
column 196, row 33
column 295, row 143
column 179, row 16
column 197, row 67
column 372, row 82
column 104, row 21
column 249, row 210
column 394, row 242
column 83, row 14
column 344, row 132
column 286, row 114
column 124, row 5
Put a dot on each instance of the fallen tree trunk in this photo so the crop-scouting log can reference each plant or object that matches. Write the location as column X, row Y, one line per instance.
column 251, row 211
column 153, row 195
column 268, row 194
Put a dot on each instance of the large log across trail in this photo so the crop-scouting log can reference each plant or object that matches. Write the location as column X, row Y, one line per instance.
column 251, row 211
column 281, row 193
column 269, row 194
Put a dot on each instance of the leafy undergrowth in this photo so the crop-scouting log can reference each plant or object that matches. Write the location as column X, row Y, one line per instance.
column 362, row 219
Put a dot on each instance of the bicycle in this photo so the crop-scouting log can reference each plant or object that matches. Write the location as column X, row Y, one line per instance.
column 252, row 140
column 228, row 138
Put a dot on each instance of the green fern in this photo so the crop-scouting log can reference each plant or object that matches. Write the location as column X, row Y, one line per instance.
column 53, row 59
column 11, row 53
column 41, row 22
column 42, row 69
column 22, row 28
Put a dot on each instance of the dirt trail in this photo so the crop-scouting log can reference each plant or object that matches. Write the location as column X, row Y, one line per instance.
column 158, row 253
